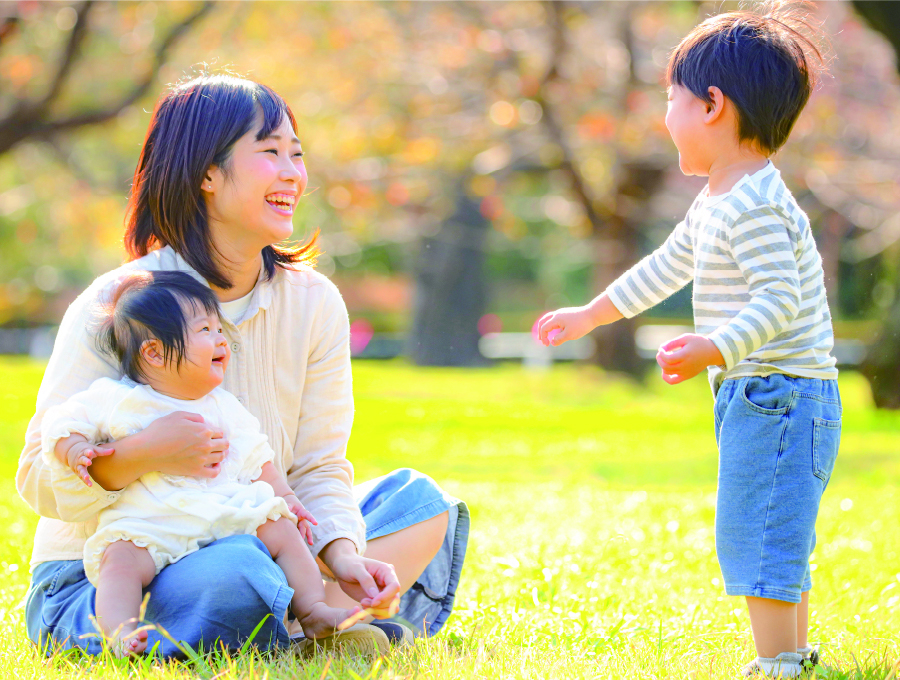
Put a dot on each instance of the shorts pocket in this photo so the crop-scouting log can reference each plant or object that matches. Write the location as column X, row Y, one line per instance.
column 826, row 441
column 766, row 396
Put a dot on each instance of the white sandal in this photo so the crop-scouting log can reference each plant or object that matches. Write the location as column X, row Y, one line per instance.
column 785, row 665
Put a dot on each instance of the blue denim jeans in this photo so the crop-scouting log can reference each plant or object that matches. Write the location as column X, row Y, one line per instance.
column 221, row 592
column 778, row 439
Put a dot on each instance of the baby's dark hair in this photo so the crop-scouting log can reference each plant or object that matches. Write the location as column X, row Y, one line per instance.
column 765, row 61
column 148, row 305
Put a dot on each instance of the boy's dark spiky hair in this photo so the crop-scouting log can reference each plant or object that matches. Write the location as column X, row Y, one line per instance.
column 151, row 305
column 765, row 60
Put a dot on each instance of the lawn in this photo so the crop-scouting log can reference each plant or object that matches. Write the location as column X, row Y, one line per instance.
column 592, row 551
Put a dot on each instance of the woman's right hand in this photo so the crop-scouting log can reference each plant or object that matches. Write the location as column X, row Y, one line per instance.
column 183, row 444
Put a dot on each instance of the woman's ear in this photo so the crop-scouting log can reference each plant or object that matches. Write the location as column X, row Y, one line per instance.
column 152, row 354
column 211, row 180
column 714, row 111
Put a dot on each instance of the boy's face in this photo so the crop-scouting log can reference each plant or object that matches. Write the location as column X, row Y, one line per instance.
column 685, row 120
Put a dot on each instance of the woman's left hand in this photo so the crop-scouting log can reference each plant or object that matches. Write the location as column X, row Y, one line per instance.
column 371, row 583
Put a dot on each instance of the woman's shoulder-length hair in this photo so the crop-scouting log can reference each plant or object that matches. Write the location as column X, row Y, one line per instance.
column 195, row 125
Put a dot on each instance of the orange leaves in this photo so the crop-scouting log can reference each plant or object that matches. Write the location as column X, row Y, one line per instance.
column 597, row 125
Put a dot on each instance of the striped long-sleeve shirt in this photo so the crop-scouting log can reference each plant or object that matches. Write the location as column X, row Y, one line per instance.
column 759, row 291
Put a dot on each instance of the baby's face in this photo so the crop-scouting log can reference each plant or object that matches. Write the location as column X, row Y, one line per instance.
column 206, row 353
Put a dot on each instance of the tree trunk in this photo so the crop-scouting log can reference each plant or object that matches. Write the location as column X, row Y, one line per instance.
column 640, row 180
column 882, row 363
column 451, row 291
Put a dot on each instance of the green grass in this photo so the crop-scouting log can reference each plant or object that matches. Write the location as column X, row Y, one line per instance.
column 592, row 550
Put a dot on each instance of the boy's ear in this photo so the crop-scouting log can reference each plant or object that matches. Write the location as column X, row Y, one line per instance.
column 151, row 353
column 714, row 111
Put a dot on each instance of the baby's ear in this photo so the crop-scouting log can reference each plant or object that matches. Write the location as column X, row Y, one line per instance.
column 152, row 353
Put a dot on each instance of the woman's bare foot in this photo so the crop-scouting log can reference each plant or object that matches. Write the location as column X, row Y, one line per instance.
column 129, row 643
column 322, row 620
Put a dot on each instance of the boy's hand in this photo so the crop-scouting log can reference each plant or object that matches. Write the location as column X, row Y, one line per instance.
column 569, row 323
column 686, row 356
column 80, row 456
column 304, row 517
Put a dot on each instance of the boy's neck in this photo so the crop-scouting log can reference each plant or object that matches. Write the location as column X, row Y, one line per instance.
column 728, row 169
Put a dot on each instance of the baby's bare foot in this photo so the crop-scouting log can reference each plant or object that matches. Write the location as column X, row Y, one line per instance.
column 322, row 620
column 128, row 643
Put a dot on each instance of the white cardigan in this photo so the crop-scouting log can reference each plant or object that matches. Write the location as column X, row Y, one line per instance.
column 290, row 367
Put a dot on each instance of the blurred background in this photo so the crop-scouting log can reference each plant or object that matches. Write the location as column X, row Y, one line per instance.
column 471, row 165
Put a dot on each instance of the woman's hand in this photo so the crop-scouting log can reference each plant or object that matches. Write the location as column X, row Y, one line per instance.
column 371, row 583
column 180, row 444
column 184, row 444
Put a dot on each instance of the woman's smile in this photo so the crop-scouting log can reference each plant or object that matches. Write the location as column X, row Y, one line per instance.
column 282, row 203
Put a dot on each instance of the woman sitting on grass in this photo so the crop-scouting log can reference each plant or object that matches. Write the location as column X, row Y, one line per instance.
column 218, row 178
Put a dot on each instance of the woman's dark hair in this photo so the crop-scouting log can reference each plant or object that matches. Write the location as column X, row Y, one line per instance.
column 766, row 62
column 148, row 305
column 195, row 125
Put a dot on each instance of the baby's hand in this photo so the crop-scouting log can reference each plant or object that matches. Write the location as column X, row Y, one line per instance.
column 687, row 355
column 569, row 323
column 80, row 456
column 304, row 517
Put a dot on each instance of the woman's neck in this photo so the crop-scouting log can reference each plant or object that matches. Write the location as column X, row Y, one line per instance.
column 242, row 269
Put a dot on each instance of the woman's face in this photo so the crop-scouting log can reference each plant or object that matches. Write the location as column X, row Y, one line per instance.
column 253, row 205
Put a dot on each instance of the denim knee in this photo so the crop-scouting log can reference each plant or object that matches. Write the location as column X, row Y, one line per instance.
column 219, row 595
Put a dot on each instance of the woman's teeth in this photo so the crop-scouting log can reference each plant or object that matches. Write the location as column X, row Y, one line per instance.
column 283, row 202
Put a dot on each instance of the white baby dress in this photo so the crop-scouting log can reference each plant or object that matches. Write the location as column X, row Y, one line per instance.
column 169, row 515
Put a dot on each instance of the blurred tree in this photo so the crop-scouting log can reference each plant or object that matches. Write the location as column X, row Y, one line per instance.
column 38, row 117
column 554, row 114
column 451, row 289
column 882, row 363
column 66, row 69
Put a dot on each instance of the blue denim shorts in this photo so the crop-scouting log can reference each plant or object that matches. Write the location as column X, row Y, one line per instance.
column 778, row 439
column 221, row 592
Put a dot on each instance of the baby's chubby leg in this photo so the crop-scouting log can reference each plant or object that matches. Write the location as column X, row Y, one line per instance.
column 125, row 570
column 290, row 552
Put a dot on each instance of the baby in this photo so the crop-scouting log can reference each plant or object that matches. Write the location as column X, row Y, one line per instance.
column 165, row 331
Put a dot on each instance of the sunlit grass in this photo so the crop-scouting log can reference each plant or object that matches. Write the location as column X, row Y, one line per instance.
column 592, row 551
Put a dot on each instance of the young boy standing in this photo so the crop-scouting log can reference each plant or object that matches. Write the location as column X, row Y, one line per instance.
column 736, row 85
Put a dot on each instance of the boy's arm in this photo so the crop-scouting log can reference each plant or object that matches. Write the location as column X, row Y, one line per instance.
column 763, row 248
column 658, row 276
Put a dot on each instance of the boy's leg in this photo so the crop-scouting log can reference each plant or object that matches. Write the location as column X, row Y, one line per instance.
column 287, row 547
column 803, row 621
column 125, row 570
column 768, row 498
column 775, row 626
